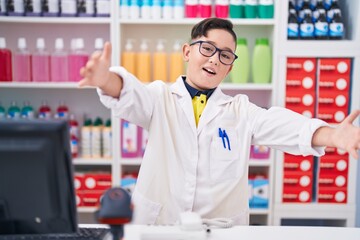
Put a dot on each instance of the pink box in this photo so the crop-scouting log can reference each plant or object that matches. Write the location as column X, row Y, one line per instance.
column 259, row 152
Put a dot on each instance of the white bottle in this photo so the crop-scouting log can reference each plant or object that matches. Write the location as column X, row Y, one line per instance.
column 98, row 44
column 168, row 9
column 179, row 9
column 107, row 140
column 156, row 9
column 145, row 10
column 59, row 63
column 134, row 9
column 86, row 132
column 124, row 9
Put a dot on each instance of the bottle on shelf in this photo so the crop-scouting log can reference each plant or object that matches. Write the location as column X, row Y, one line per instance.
column 62, row 111
column 74, row 136
column 27, row 111
column 77, row 59
column 156, row 9
column 44, row 111
column 319, row 8
column 14, row 111
column 107, row 139
column 321, row 26
column 160, row 62
column 266, row 9
column 327, row 4
column 167, row 9
column 334, row 8
column 103, row 8
column 241, row 67
column 205, row 7
column 33, row 8
column 261, row 61
column 251, row 8
column 98, row 44
column 191, row 8
column 307, row 27
column 50, row 8
column 336, row 27
column 143, row 61
column 145, row 9
column 59, row 63
column 124, row 8
column 176, row 62
column 178, row 9
column 128, row 57
column 3, row 8
column 16, row 8
column 86, row 132
column 134, row 9
column 96, row 138
column 5, row 62
column 68, row 8
column 304, row 10
column 222, row 8
column 130, row 137
column 22, row 62
column 293, row 26
column 237, row 9
column 86, row 8
column 2, row 112
column 40, row 62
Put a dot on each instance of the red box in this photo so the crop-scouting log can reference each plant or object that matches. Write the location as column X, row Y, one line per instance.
column 335, row 66
column 332, row 180
column 300, row 99
column 301, row 66
column 297, row 195
column 79, row 181
column 333, row 99
column 78, row 199
column 305, row 111
column 332, row 195
column 337, row 152
column 297, row 179
column 91, row 198
column 336, row 83
column 301, row 83
column 334, row 164
column 332, row 115
column 97, row 181
column 298, row 163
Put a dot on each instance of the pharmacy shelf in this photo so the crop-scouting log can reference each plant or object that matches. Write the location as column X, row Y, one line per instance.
column 92, row 161
column 87, row 209
column 56, row 20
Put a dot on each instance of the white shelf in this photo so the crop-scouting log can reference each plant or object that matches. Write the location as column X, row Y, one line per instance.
column 37, row 85
column 260, row 163
column 56, row 20
column 92, row 161
column 87, row 209
column 259, row 211
column 131, row 161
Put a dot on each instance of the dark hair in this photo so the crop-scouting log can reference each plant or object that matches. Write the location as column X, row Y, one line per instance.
column 203, row 27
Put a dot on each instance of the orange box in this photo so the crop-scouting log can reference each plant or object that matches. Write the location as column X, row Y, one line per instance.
column 301, row 67
column 332, row 195
column 335, row 66
column 332, row 115
column 97, row 181
column 334, row 164
column 336, row 83
column 296, row 195
column 298, row 163
column 332, row 180
column 297, row 179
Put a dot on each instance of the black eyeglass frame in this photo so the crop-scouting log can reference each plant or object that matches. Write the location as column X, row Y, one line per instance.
column 216, row 50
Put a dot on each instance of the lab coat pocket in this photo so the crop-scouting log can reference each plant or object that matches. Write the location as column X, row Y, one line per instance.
column 224, row 157
column 145, row 210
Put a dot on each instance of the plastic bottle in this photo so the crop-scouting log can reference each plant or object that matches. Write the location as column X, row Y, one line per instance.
column 143, row 60
column 134, row 9
column 128, row 57
column 191, row 8
column 5, row 62
column 50, row 8
column 13, row 111
column 176, row 62
column 293, row 26
column 304, row 10
column 86, row 8
column 98, row 44
column 33, row 8
column 22, row 62
column 222, row 8
column 160, row 62
column 145, row 10
column 40, row 62
column 107, row 139
column 124, row 9
column 68, row 8
column 96, row 138
column 44, row 111
column 266, row 8
column 336, row 27
column 73, row 126
column 205, row 7
column 327, row 4
column 250, row 8
column 2, row 112
column 307, row 27
column 27, row 111
column 77, row 59
column 130, row 138
column 62, row 111
column 59, row 63
column 86, row 132
column 241, row 67
column 321, row 26
column 333, row 9
column 156, row 9
column 237, row 9
column 3, row 8
column 261, row 61
column 178, row 9
column 319, row 8
column 167, row 9
column 16, row 7
column 103, row 8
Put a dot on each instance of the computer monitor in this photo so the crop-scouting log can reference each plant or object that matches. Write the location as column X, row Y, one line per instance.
column 36, row 178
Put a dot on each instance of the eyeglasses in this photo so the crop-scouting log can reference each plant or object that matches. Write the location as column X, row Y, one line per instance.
column 207, row 49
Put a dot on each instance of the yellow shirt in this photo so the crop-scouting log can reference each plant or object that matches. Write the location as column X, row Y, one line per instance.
column 199, row 103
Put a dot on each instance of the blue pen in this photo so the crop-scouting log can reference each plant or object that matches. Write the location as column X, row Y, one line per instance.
column 227, row 139
column 222, row 137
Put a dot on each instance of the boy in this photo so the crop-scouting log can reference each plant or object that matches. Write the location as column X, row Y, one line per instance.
column 197, row 157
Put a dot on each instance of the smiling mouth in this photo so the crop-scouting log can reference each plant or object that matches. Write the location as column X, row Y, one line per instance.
column 209, row 71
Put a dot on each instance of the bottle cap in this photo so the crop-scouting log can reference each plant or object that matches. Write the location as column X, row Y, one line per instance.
column 160, row 45
column 99, row 43
column 177, row 45
column 2, row 42
column 87, row 122
column 108, row 123
column 129, row 45
column 144, row 45
column 21, row 43
column 98, row 122
column 262, row 41
column 59, row 44
column 79, row 43
column 241, row 41
column 40, row 43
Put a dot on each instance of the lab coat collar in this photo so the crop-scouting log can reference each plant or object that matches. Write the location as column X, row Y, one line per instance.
column 213, row 105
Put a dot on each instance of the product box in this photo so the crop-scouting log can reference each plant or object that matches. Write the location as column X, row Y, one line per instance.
column 332, row 195
column 332, row 115
column 97, row 181
column 297, row 179
column 298, row 163
column 334, row 83
column 334, row 66
column 260, row 193
column 333, row 164
column 333, row 99
column 300, row 99
column 301, row 83
column 79, row 181
column 296, row 195
column 250, row 190
column 90, row 198
column 301, row 67
column 332, row 180
column 130, row 140
column 259, row 152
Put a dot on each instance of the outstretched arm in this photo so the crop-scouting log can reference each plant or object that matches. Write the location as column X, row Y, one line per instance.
column 345, row 136
column 96, row 73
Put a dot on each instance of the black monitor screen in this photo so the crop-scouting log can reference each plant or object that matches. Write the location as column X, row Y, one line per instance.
column 36, row 179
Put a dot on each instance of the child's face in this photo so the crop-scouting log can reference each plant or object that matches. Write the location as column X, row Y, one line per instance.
column 208, row 72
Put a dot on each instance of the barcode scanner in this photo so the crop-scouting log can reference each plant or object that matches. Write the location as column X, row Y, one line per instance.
column 115, row 210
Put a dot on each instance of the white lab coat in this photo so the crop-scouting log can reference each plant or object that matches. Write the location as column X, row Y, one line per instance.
column 187, row 168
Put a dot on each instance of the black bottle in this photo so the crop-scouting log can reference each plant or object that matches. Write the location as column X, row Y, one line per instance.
column 293, row 25
column 333, row 9
column 321, row 27
column 336, row 27
column 318, row 9
column 305, row 9
column 307, row 27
